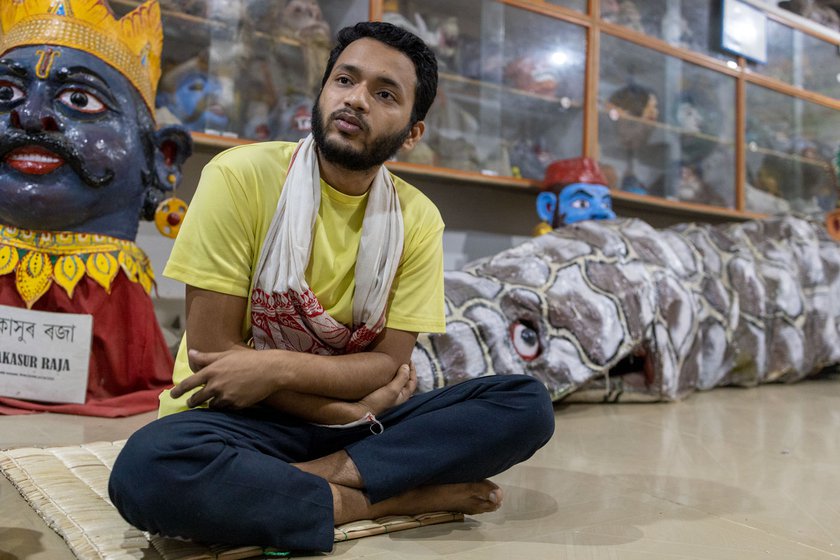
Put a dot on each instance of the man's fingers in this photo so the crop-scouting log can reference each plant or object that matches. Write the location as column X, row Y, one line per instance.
column 187, row 385
column 200, row 397
column 410, row 382
column 406, row 382
column 202, row 359
column 412, row 373
column 401, row 376
column 217, row 403
column 396, row 386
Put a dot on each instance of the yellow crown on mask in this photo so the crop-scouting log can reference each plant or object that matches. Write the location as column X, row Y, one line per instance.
column 132, row 45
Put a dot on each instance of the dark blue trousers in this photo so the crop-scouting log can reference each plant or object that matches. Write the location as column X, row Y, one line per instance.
column 224, row 477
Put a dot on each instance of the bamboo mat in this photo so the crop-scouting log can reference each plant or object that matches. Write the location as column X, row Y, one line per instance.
column 68, row 488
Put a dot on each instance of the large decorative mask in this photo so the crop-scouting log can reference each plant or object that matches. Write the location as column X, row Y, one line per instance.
column 81, row 161
column 78, row 146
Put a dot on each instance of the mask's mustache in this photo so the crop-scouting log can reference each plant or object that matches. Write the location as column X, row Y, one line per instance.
column 14, row 139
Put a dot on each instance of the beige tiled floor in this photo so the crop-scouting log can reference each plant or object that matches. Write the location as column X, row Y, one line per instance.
column 732, row 474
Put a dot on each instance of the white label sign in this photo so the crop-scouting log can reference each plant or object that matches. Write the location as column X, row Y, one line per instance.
column 44, row 356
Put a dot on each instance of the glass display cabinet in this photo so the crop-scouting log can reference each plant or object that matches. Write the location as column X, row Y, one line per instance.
column 642, row 86
column 246, row 69
column 684, row 24
column 666, row 126
column 790, row 143
column 511, row 87
column 579, row 5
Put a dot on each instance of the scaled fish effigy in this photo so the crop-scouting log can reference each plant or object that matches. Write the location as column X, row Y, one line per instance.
column 618, row 310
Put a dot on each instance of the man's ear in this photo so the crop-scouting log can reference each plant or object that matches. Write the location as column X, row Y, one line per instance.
column 417, row 130
column 173, row 145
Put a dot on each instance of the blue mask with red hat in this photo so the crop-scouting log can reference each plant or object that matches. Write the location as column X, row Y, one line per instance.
column 582, row 193
column 577, row 202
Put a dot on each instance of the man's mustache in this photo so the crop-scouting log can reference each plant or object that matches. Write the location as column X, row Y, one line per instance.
column 14, row 139
column 358, row 117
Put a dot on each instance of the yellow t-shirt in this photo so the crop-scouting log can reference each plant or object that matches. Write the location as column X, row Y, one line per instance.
column 221, row 239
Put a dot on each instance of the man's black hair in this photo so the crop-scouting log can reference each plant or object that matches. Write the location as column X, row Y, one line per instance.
column 425, row 63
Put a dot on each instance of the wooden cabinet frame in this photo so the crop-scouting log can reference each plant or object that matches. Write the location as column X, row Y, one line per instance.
column 595, row 28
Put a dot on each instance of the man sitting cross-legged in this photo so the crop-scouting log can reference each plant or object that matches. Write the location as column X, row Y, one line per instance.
column 310, row 269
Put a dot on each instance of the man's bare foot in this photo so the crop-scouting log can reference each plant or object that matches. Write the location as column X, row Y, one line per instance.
column 470, row 498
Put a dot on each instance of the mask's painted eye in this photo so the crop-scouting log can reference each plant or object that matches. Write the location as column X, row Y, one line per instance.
column 81, row 101
column 525, row 340
column 580, row 203
column 9, row 92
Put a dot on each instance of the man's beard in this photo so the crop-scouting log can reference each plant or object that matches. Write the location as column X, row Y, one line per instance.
column 381, row 150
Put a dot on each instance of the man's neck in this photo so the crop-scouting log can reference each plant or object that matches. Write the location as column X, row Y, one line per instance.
column 354, row 183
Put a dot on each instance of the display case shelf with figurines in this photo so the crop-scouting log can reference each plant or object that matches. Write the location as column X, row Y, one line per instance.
column 246, row 69
column 689, row 152
column 802, row 60
column 666, row 126
column 561, row 103
column 527, row 82
column 467, row 109
column 790, row 146
column 685, row 24
column 504, row 69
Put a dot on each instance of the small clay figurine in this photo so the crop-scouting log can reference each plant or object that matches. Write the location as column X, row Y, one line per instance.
column 532, row 75
column 303, row 20
column 441, row 36
column 691, row 187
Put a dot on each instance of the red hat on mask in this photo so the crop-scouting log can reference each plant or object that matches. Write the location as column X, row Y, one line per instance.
column 573, row 170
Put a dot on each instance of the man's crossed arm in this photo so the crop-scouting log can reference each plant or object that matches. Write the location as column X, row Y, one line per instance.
column 322, row 389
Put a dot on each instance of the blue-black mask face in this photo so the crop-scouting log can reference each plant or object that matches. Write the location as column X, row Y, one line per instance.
column 78, row 147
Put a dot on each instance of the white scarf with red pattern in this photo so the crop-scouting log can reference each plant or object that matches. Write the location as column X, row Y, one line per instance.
column 285, row 313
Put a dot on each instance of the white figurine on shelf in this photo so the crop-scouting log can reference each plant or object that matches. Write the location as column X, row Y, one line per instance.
column 823, row 12
column 442, row 38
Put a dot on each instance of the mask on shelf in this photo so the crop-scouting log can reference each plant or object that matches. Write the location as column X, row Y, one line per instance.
column 576, row 190
column 194, row 97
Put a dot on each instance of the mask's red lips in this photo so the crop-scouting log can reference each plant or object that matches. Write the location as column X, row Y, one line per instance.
column 33, row 160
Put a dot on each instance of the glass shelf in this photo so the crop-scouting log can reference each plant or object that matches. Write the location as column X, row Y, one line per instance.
column 513, row 91
column 686, row 24
column 801, row 60
column 666, row 127
column 511, row 88
column 247, row 68
column 791, row 144
column 578, row 5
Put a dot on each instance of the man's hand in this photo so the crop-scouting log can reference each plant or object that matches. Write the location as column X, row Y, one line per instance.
column 396, row 392
column 330, row 411
column 236, row 378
